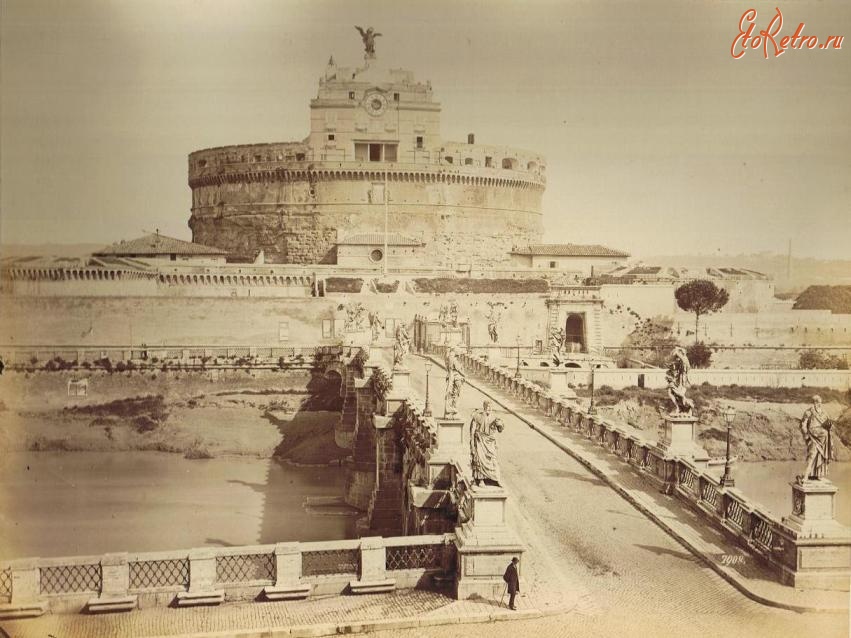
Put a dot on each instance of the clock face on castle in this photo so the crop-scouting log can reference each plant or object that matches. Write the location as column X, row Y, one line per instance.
column 375, row 103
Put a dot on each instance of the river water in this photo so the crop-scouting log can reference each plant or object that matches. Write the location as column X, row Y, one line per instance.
column 78, row 503
column 767, row 483
column 61, row 503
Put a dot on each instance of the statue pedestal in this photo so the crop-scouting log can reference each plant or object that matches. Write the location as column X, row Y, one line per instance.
column 399, row 391
column 451, row 440
column 816, row 548
column 678, row 439
column 814, row 510
column 485, row 545
column 451, row 336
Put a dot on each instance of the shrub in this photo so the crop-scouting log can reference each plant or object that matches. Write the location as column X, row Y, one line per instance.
column 197, row 451
column 385, row 286
column 818, row 360
column 343, row 284
column 120, row 366
column 699, row 355
column 143, row 423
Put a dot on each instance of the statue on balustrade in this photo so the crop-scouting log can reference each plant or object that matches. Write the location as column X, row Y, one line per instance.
column 454, row 381
column 815, row 427
column 453, row 314
column 401, row 347
column 493, row 317
column 483, row 429
column 678, row 383
column 557, row 338
column 376, row 325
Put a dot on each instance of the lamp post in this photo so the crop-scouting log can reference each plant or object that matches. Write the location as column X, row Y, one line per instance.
column 591, row 408
column 729, row 416
column 517, row 374
column 427, row 411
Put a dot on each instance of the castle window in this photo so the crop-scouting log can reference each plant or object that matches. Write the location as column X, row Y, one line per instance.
column 468, row 161
column 327, row 328
column 331, row 137
column 172, row 257
column 202, row 163
column 375, row 152
column 510, row 163
column 376, row 255
column 299, row 157
column 449, row 159
column 258, row 158
column 419, row 141
column 488, row 162
column 351, row 95
column 283, row 331
column 553, row 264
column 389, row 152
column 395, row 97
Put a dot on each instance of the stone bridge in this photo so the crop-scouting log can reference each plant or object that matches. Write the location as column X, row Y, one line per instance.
column 425, row 523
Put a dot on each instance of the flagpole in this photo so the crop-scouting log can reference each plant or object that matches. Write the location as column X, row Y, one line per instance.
column 386, row 216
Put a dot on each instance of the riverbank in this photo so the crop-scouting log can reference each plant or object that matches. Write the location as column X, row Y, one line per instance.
column 286, row 415
column 766, row 427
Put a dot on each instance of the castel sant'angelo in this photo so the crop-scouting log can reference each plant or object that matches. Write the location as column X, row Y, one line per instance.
column 370, row 126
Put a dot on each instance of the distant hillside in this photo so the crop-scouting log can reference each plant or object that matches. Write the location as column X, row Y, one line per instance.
column 834, row 298
column 805, row 272
column 48, row 250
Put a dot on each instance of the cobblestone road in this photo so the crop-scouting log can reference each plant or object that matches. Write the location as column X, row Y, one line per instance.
column 630, row 576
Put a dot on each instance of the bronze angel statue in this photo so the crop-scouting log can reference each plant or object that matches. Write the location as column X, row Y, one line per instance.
column 368, row 38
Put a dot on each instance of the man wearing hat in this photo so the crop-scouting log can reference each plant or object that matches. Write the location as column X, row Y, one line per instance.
column 512, row 581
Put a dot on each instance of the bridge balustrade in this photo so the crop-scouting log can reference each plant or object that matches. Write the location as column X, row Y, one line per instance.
column 72, row 584
column 755, row 529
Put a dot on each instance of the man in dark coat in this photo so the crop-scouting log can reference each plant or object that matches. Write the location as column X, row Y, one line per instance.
column 512, row 581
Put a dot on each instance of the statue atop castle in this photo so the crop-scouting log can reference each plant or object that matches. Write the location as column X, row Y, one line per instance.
column 368, row 38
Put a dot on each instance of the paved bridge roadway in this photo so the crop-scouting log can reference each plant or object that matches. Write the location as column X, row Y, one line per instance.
column 629, row 575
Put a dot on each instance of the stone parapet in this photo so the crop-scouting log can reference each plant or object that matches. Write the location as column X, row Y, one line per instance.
column 806, row 549
column 211, row 575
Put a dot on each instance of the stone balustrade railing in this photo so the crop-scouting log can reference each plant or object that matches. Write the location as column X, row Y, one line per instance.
column 212, row 575
column 753, row 528
column 151, row 355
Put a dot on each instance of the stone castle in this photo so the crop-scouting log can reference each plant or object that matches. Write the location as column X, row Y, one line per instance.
column 374, row 136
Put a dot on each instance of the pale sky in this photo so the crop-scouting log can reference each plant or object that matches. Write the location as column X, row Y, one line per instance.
column 657, row 140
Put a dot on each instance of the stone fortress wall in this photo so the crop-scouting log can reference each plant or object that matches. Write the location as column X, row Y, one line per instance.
column 245, row 199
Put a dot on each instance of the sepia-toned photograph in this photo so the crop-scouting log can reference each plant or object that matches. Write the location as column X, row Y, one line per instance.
column 436, row 319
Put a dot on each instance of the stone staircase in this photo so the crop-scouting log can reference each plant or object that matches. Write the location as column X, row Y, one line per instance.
column 385, row 510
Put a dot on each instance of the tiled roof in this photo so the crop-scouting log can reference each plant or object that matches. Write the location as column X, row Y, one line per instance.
column 377, row 239
column 156, row 244
column 570, row 250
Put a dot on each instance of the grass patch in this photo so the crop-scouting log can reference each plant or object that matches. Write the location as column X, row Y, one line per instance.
column 150, row 405
column 44, row 444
